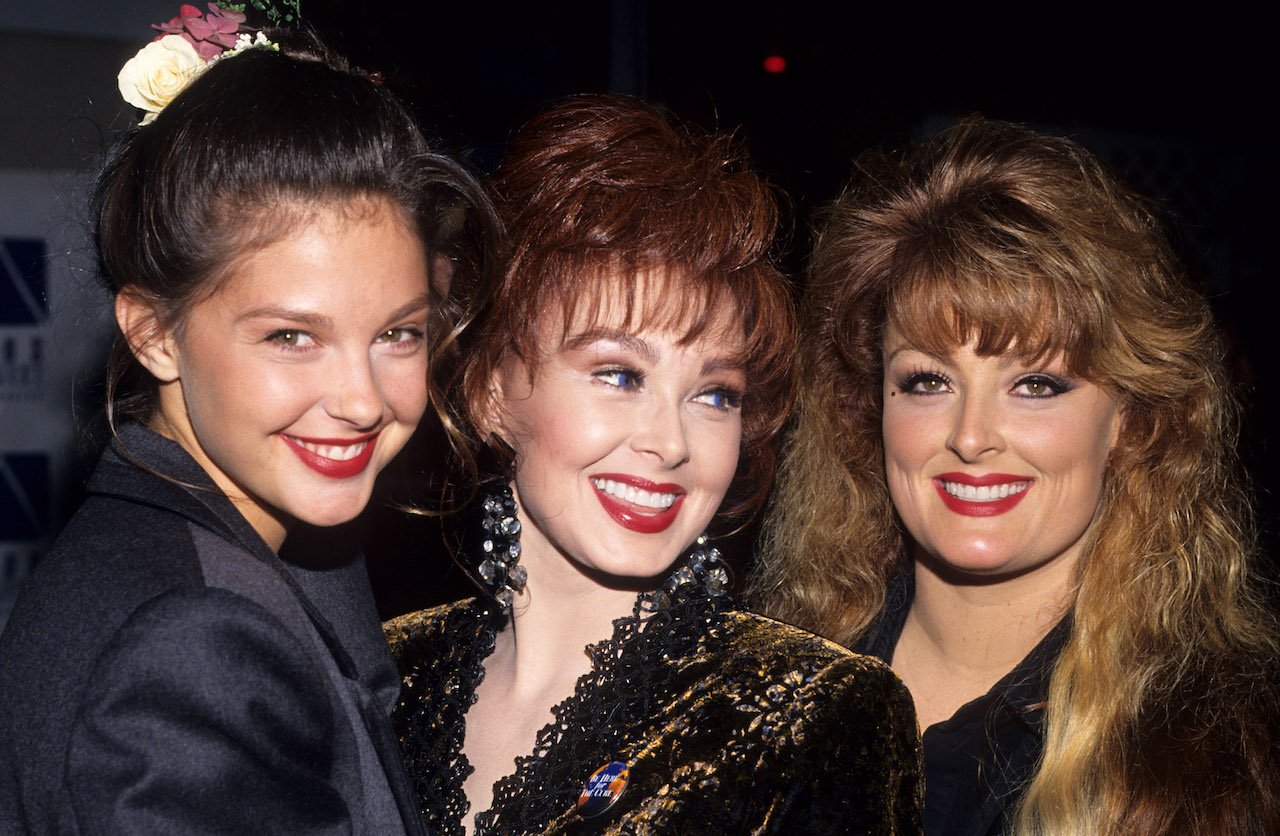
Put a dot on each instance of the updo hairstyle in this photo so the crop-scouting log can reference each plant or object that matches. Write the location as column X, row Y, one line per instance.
column 239, row 158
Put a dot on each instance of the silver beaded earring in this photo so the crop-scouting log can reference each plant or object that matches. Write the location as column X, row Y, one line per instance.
column 500, row 547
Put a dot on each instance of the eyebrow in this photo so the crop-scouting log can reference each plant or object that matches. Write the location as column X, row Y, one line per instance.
column 888, row 358
column 311, row 320
column 1007, row 360
column 413, row 306
column 722, row 364
column 320, row 321
column 628, row 341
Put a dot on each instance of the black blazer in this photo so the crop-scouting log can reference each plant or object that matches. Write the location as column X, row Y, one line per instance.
column 164, row 671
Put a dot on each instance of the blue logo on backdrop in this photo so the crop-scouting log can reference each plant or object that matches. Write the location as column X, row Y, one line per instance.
column 25, row 496
column 23, row 300
column 24, row 310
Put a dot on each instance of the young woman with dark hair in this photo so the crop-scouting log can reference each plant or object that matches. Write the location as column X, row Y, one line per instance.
column 629, row 372
column 277, row 239
column 1013, row 477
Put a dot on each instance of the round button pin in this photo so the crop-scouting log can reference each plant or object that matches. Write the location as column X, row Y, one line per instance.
column 603, row 789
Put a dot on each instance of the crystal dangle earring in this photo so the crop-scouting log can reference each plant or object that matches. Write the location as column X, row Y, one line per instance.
column 500, row 547
column 703, row 570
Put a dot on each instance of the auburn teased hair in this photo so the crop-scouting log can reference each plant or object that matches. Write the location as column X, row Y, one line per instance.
column 1162, row 705
column 605, row 199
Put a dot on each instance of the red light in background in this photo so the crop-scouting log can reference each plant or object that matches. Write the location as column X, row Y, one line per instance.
column 775, row 64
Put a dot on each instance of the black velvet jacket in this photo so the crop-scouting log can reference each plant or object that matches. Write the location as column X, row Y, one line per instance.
column 978, row 761
column 728, row 722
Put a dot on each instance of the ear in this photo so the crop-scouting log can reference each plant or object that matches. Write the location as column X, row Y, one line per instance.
column 1119, row 431
column 491, row 411
column 150, row 342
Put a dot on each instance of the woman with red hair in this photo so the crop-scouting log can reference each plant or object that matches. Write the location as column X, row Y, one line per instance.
column 630, row 373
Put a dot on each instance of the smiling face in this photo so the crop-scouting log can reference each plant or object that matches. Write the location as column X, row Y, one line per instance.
column 994, row 466
column 625, row 443
column 305, row 372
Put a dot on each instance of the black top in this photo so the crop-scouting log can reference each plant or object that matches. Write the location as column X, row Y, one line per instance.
column 977, row 762
column 163, row 671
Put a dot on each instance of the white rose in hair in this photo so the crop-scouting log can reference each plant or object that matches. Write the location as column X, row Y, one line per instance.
column 159, row 72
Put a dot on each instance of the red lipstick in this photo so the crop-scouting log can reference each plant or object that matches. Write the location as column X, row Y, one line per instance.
column 636, row 517
column 334, row 468
column 981, row 507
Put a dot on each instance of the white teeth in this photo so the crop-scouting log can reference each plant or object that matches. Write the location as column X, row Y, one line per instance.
column 634, row 495
column 984, row 493
column 336, row 452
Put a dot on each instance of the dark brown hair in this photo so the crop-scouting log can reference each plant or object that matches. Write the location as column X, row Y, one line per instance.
column 601, row 194
column 1161, row 706
column 233, row 162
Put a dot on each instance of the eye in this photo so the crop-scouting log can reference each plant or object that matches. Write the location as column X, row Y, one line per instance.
column 924, row 383
column 291, row 339
column 621, row 378
column 1040, row 386
column 721, row 398
column 403, row 336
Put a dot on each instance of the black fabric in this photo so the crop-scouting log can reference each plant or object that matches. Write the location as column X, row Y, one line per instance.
column 978, row 761
column 163, row 671
column 728, row 722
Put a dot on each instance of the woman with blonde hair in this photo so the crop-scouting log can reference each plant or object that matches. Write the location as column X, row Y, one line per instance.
column 1013, row 478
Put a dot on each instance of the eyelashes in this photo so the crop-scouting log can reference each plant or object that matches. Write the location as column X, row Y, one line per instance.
column 720, row 398
column 1036, row 386
column 1041, row 385
column 923, row 383
column 290, row 339
column 620, row 377
column 401, row 339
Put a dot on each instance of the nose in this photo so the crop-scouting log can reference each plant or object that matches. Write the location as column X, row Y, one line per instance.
column 976, row 432
column 661, row 433
column 355, row 397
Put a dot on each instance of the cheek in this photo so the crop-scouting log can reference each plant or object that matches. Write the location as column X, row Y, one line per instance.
column 229, row 393
column 403, row 385
column 1078, row 446
column 548, row 437
column 718, row 446
column 908, row 438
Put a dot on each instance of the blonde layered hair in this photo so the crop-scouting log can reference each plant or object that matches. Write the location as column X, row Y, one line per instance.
column 1161, row 704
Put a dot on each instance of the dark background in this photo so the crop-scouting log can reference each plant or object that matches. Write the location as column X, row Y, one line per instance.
column 1181, row 105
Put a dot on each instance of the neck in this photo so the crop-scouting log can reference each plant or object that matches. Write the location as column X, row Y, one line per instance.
column 559, row 613
column 986, row 629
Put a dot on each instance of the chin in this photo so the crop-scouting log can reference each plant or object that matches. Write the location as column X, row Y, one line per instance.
column 343, row 512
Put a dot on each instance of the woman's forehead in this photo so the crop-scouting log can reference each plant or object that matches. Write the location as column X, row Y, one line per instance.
column 943, row 314
column 665, row 303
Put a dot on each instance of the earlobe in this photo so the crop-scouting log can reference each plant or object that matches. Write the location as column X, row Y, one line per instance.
column 149, row 341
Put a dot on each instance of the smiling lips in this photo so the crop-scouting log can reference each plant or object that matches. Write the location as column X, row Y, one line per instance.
column 638, row 504
column 981, row 496
column 337, row 458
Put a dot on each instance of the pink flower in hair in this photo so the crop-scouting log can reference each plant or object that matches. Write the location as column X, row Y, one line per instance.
column 211, row 34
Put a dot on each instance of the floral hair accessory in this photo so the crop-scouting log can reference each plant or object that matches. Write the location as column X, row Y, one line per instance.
column 187, row 46
column 210, row 34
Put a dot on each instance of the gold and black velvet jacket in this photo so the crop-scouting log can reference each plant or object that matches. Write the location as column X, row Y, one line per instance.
column 728, row 722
